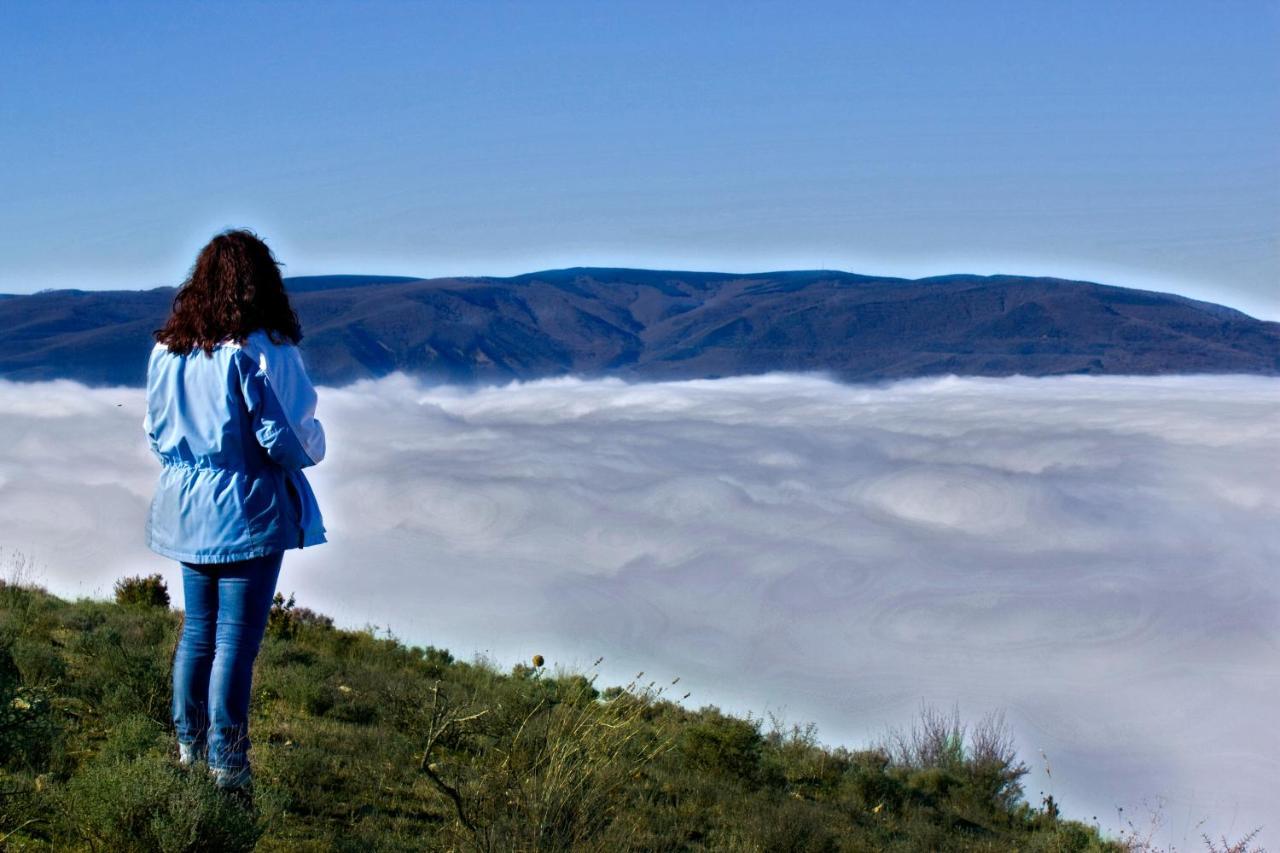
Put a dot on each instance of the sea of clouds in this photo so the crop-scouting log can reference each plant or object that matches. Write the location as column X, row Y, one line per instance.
column 1095, row 555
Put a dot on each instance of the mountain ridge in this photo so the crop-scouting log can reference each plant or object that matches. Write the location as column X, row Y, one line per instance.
column 669, row 324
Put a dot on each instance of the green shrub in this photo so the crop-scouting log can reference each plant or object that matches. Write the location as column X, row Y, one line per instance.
column 125, row 663
column 794, row 760
column 28, row 730
column 304, row 774
column 869, row 786
column 724, row 745
column 944, row 759
column 555, row 760
column 360, row 710
column 131, row 737
column 779, row 824
column 148, row 804
column 933, row 784
column 38, row 663
column 286, row 619
column 150, row 591
column 24, row 609
column 437, row 661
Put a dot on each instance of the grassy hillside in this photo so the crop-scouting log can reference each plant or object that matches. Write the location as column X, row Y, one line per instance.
column 364, row 743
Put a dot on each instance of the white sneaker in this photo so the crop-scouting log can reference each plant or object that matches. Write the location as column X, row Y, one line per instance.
column 227, row 777
column 188, row 754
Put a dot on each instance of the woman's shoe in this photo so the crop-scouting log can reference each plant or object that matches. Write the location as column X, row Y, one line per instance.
column 243, row 797
column 236, row 785
column 189, row 754
column 231, row 778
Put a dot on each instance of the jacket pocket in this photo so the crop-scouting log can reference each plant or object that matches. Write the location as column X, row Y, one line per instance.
column 300, row 492
column 295, row 499
column 262, row 504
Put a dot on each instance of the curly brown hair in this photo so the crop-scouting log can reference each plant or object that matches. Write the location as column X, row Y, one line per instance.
column 233, row 288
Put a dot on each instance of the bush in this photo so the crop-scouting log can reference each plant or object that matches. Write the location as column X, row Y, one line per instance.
column 724, row 745
column 437, row 660
column 148, row 804
column 28, row 730
column 130, row 737
column 780, row 825
column 286, row 619
column 795, row 760
column 982, row 756
column 558, row 762
column 124, row 664
column 38, row 663
column 150, row 591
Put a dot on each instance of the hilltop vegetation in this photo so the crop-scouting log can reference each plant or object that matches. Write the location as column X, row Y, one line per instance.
column 364, row 743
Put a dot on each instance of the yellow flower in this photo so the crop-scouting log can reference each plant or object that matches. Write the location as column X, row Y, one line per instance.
column 537, row 660
column 877, row 809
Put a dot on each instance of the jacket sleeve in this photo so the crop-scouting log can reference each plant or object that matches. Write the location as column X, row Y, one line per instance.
column 282, row 402
column 151, row 438
column 147, row 426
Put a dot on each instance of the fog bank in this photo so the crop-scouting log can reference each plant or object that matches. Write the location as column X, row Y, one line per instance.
column 1097, row 555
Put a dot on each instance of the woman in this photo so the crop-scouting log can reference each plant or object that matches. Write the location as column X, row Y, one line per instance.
column 231, row 416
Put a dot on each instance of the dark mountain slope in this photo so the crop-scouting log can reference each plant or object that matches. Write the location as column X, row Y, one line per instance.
column 307, row 283
column 654, row 324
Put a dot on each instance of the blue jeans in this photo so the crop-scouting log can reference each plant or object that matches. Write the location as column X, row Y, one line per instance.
column 226, row 615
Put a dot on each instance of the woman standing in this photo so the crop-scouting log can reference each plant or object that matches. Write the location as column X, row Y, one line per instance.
column 231, row 417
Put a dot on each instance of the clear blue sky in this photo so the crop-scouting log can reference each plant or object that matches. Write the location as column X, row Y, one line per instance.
column 1135, row 143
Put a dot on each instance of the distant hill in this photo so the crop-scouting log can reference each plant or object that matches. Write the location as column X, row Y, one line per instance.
column 650, row 324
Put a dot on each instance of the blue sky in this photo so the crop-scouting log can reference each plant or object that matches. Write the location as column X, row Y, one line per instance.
column 1132, row 143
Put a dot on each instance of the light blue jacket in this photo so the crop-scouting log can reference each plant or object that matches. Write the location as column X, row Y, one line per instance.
column 233, row 432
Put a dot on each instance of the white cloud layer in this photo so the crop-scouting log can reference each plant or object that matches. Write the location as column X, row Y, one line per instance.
column 1096, row 555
